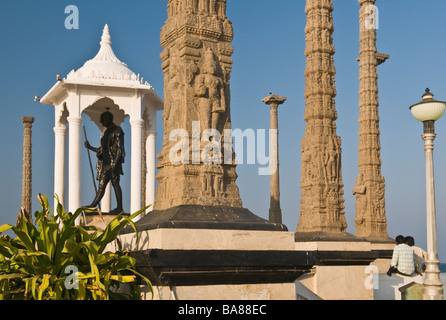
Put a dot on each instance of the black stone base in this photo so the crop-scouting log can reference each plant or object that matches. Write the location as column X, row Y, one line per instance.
column 201, row 217
column 107, row 214
column 215, row 267
column 347, row 256
column 379, row 240
column 342, row 236
column 327, row 236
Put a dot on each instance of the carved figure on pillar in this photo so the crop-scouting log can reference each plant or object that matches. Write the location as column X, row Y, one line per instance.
column 210, row 88
column 322, row 204
column 110, row 154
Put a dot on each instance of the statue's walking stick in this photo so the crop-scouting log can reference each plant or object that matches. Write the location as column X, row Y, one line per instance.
column 91, row 165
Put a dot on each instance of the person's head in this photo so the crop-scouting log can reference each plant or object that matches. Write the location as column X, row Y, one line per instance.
column 400, row 239
column 410, row 241
column 106, row 118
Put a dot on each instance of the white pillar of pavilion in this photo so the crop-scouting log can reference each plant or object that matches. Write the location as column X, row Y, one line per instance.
column 104, row 83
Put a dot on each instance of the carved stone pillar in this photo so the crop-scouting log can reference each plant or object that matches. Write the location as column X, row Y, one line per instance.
column 369, row 189
column 322, row 204
column 27, row 164
column 197, row 67
column 197, row 187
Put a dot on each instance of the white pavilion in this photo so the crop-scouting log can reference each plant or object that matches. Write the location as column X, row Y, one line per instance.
column 104, row 83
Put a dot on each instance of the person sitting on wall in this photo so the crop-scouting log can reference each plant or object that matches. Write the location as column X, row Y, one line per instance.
column 403, row 258
column 420, row 255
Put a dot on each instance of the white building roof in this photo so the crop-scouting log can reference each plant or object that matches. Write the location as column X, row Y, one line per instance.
column 106, row 67
column 104, row 71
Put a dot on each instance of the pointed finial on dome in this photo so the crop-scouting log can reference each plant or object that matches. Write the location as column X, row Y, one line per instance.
column 105, row 65
column 106, row 38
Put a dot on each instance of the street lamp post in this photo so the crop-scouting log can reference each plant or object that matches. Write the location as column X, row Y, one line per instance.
column 428, row 111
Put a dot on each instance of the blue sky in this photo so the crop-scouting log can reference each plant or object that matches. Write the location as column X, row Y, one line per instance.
column 269, row 57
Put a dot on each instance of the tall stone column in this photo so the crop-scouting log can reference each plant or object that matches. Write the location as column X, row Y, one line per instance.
column 322, row 204
column 275, row 212
column 197, row 178
column 27, row 164
column 197, row 64
column 369, row 188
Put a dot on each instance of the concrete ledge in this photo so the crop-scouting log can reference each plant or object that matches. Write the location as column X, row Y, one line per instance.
column 332, row 246
column 252, row 292
column 387, row 288
column 322, row 241
column 202, row 239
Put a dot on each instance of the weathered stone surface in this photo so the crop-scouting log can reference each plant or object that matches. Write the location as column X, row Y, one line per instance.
column 196, row 41
column 205, row 217
column 275, row 212
column 27, row 164
column 98, row 220
column 322, row 204
column 370, row 220
column 197, row 178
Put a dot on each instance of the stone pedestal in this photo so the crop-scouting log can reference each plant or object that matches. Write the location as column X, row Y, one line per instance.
column 205, row 264
column 206, row 217
column 206, row 239
column 98, row 220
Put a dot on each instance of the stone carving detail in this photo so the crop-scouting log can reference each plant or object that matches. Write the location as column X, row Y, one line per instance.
column 209, row 87
column 369, row 190
column 322, row 204
column 196, row 61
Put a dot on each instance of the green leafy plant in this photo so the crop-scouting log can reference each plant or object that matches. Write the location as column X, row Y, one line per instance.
column 55, row 259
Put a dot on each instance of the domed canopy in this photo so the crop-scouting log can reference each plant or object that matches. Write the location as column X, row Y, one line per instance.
column 105, row 65
column 104, row 73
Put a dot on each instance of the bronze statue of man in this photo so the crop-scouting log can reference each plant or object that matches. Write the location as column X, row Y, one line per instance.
column 110, row 156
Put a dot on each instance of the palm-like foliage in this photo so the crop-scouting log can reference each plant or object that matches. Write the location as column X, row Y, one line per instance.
column 55, row 259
